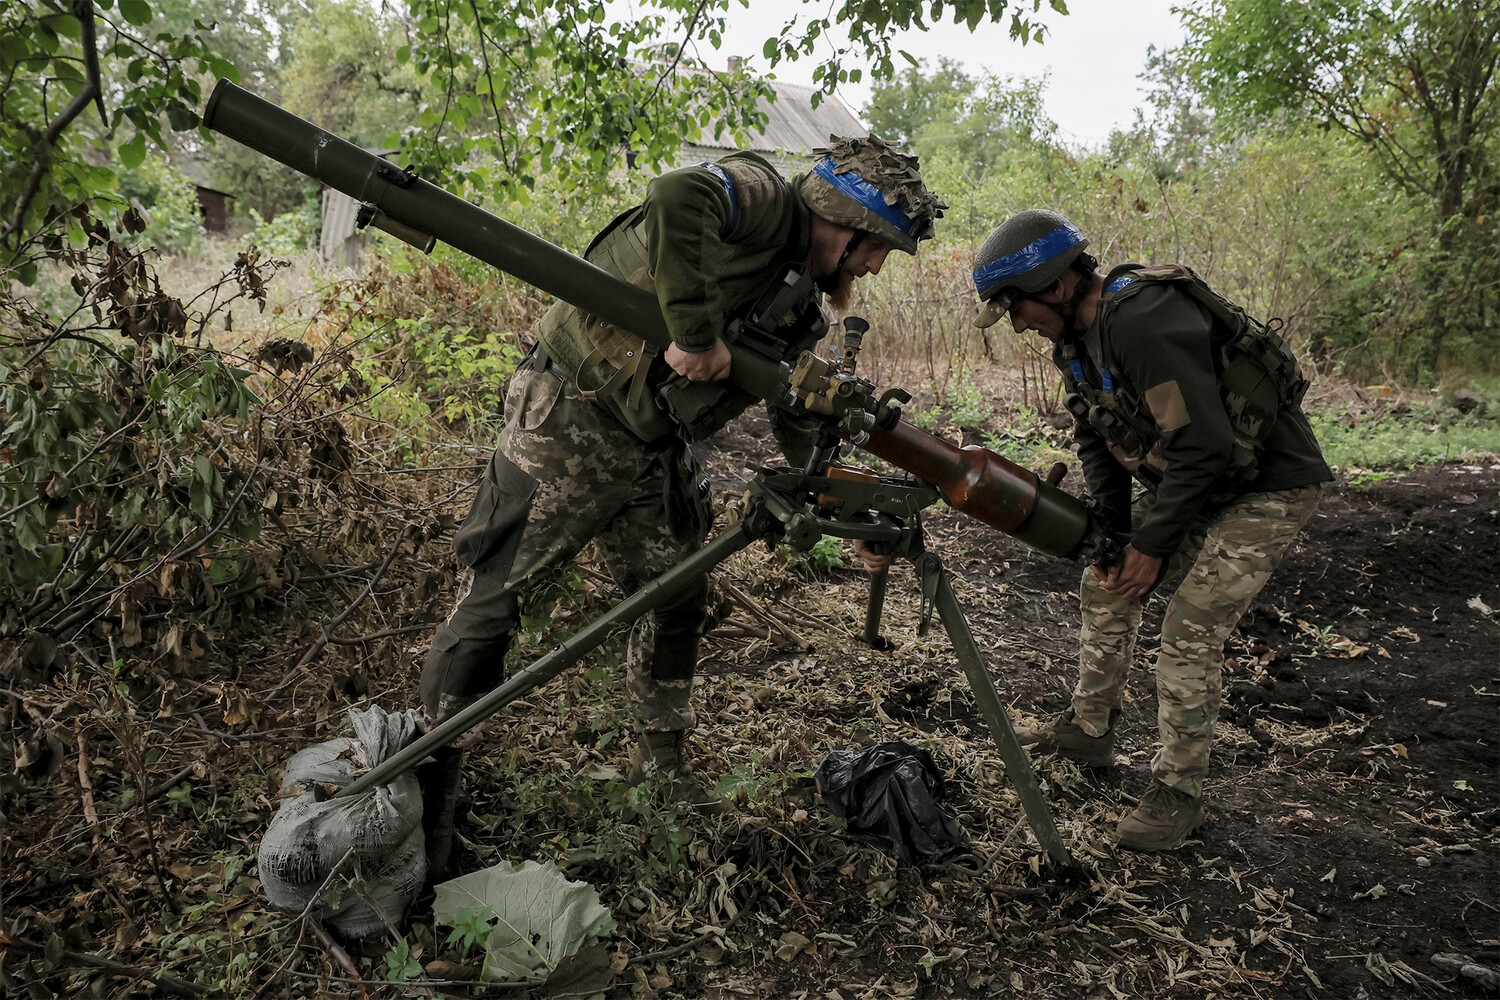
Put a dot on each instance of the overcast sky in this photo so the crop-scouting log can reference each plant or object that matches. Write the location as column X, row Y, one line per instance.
column 1094, row 55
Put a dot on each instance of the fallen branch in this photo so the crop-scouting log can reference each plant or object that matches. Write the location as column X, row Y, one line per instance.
column 356, row 640
column 1466, row 968
column 328, row 630
column 708, row 935
column 759, row 611
column 167, row 984
column 86, row 786
column 339, row 954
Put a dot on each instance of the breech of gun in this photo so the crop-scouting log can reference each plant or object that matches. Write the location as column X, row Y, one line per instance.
column 989, row 488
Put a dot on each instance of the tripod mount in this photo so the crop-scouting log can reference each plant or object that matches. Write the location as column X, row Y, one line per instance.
column 799, row 507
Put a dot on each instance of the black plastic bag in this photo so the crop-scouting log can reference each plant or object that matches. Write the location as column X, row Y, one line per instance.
column 889, row 796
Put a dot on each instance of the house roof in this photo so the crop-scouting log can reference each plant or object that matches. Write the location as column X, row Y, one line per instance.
column 792, row 123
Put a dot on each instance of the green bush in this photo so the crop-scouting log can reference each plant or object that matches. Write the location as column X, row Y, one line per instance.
column 107, row 414
column 1403, row 435
column 170, row 201
column 288, row 234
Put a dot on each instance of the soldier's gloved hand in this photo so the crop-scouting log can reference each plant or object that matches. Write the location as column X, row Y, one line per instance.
column 711, row 365
column 873, row 554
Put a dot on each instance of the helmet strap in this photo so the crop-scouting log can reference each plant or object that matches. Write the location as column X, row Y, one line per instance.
column 850, row 247
column 1068, row 310
column 828, row 283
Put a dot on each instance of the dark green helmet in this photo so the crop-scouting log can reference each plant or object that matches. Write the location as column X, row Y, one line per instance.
column 1026, row 254
column 865, row 183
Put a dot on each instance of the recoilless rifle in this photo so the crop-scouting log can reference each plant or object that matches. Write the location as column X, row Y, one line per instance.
column 800, row 506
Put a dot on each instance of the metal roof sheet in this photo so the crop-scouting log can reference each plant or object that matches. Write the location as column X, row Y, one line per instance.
column 793, row 124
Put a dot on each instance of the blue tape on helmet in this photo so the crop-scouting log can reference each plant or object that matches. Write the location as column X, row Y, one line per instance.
column 865, row 194
column 1028, row 258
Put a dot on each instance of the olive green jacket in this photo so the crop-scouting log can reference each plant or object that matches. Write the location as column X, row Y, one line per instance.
column 707, row 240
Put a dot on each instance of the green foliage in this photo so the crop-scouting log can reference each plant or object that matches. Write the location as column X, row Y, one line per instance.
column 344, row 73
column 825, row 556
column 869, row 25
column 968, row 406
column 104, row 415
column 170, row 201
column 514, row 93
column 519, row 93
column 55, row 61
column 290, row 233
column 960, row 125
column 1406, row 435
column 1299, row 226
column 760, row 781
column 470, row 930
column 402, row 964
column 1413, row 83
column 903, row 105
column 428, row 350
column 632, row 830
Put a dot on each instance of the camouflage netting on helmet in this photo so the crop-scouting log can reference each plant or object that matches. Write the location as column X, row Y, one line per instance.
column 376, row 837
column 897, row 175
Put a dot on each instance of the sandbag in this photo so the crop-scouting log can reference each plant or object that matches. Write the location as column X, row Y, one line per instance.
column 376, row 836
column 889, row 797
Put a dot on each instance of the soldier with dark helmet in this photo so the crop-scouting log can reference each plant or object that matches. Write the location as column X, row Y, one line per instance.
column 595, row 444
column 1178, row 390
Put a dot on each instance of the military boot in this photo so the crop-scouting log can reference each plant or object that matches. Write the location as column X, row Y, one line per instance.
column 440, row 778
column 1163, row 821
column 1063, row 736
column 664, row 749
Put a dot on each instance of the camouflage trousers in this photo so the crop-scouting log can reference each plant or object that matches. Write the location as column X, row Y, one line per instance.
column 1228, row 556
column 567, row 473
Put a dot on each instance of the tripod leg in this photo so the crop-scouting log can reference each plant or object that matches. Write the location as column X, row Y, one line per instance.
column 561, row 657
column 1017, row 763
column 874, row 609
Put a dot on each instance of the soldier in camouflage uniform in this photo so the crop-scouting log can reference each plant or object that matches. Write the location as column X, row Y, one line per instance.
column 1225, row 493
column 593, row 450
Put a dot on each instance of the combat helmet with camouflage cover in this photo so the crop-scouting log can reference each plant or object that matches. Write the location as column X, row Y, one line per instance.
column 866, row 184
column 1025, row 255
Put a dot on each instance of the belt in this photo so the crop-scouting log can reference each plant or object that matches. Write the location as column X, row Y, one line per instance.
column 538, row 360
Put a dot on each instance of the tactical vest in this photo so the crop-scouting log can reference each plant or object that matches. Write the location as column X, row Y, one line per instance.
column 779, row 314
column 1258, row 375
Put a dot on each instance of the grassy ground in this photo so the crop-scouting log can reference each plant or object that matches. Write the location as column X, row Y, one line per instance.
column 150, row 738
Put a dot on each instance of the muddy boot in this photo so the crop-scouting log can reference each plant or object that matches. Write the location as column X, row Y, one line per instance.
column 1063, row 736
column 440, row 778
column 1163, row 821
column 664, row 749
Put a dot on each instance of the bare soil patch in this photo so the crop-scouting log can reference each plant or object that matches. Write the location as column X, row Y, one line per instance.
column 1354, row 807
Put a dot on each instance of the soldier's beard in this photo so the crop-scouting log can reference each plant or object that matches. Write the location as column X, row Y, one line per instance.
column 839, row 287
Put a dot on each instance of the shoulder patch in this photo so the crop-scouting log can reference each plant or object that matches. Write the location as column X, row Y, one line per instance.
column 1168, row 407
column 1122, row 281
column 729, row 189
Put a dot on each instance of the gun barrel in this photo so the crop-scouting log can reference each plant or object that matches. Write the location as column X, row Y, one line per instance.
column 427, row 208
column 991, row 489
column 974, row 480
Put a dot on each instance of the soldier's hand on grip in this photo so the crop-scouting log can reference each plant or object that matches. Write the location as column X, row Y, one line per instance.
column 711, row 365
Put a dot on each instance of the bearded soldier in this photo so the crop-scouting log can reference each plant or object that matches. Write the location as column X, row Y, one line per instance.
column 595, row 445
column 1178, row 389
